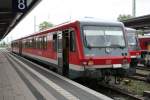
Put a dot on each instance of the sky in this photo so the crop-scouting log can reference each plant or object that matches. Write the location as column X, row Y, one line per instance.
column 59, row 11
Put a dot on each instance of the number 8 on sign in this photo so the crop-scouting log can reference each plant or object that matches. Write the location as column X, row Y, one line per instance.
column 21, row 4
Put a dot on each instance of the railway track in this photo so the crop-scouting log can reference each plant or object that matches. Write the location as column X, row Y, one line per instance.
column 139, row 78
column 110, row 90
column 143, row 68
column 124, row 93
column 143, row 74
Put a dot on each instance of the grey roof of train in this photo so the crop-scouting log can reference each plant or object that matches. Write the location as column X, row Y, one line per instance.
column 130, row 29
column 91, row 21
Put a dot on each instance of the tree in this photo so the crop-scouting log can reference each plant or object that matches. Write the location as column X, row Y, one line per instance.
column 140, row 32
column 124, row 17
column 45, row 25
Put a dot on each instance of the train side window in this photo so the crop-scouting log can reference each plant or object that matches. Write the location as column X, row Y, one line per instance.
column 26, row 43
column 37, row 46
column 33, row 43
column 44, row 42
column 30, row 42
column 55, row 42
column 40, row 42
column 23, row 44
column 72, row 41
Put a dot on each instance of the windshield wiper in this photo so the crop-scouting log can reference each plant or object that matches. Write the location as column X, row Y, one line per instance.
column 117, row 46
column 89, row 46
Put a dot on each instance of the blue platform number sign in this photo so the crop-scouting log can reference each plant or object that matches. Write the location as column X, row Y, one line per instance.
column 19, row 5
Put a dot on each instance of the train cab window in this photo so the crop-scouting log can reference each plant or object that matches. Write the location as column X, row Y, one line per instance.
column 55, row 42
column 72, row 41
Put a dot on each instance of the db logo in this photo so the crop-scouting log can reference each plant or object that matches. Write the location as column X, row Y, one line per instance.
column 108, row 62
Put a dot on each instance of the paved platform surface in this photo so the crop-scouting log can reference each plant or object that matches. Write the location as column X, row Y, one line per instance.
column 12, row 86
column 20, row 80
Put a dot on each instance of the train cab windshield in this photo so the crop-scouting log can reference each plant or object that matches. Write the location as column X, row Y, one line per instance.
column 132, row 40
column 102, row 36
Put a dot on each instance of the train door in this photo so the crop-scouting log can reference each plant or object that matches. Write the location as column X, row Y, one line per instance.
column 63, row 52
column 59, row 52
column 66, row 53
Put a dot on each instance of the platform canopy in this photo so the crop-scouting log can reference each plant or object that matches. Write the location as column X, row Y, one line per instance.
column 142, row 22
column 12, row 12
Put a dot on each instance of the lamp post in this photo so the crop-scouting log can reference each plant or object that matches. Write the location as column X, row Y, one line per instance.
column 134, row 8
column 34, row 24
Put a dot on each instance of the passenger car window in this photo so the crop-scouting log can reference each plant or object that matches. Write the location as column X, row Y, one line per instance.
column 55, row 42
column 72, row 41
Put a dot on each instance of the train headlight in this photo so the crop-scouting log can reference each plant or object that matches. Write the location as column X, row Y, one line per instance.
column 90, row 62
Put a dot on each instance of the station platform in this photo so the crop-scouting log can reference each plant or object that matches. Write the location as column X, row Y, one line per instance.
column 12, row 86
column 22, row 81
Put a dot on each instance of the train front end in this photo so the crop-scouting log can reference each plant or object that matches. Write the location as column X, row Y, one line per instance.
column 105, row 50
column 134, row 49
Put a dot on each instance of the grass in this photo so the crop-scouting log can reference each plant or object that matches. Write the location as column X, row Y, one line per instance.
column 136, row 87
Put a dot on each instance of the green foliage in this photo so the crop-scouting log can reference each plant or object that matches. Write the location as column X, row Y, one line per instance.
column 141, row 32
column 45, row 25
column 124, row 17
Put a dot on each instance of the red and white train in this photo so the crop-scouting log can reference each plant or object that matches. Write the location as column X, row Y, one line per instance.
column 79, row 48
column 134, row 49
column 145, row 49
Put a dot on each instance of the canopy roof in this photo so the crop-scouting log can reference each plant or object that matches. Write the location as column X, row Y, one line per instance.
column 10, row 17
